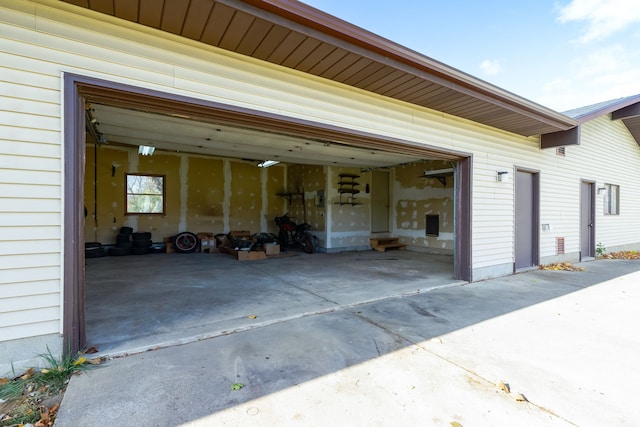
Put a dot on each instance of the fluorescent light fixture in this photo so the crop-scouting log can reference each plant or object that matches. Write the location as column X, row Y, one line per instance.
column 146, row 150
column 267, row 163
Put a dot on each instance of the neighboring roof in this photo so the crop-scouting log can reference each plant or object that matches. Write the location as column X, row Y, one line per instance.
column 625, row 109
column 590, row 112
column 292, row 34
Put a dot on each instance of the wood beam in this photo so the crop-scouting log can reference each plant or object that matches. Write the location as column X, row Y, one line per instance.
column 628, row 112
column 560, row 139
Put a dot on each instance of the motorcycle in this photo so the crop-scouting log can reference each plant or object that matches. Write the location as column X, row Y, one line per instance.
column 292, row 234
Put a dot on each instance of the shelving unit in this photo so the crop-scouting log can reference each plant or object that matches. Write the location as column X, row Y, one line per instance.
column 347, row 188
column 291, row 196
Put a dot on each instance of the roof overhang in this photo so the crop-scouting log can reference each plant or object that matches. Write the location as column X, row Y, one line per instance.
column 294, row 35
column 625, row 109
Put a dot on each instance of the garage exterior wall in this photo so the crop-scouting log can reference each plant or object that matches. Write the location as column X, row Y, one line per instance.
column 39, row 43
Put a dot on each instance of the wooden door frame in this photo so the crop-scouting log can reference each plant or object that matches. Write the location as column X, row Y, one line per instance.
column 536, row 216
column 78, row 88
column 592, row 214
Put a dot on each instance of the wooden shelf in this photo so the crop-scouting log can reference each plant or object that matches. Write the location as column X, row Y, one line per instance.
column 290, row 196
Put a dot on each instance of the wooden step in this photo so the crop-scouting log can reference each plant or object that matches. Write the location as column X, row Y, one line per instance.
column 384, row 243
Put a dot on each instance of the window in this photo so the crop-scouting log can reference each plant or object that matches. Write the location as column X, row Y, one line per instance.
column 612, row 200
column 145, row 194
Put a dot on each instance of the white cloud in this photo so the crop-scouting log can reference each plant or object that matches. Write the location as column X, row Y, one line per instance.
column 604, row 17
column 491, row 67
column 601, row 75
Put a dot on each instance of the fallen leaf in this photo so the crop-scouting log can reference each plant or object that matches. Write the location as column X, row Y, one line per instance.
column 237, row 386
column 54, row 408
column 79, row 361
column 94, row 361
column 91, row 350
column 455, row 424
column 520, row 397
column 253, row 316
column 504, row 387
column 4, row 381
column 28, row 374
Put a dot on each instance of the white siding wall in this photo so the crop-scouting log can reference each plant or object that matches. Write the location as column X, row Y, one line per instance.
column 39, row 43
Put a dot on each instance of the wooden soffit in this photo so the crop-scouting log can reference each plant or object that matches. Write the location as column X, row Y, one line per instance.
column 294, row 35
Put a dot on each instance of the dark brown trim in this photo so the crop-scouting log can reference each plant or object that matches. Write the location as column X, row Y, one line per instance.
column 562, row 138
column 73, row 330
column 463, row 213
column 367, row 44
column 628, row 112
column 536, row 214
column 80, row 89
column 592, row 217
column 610, row 107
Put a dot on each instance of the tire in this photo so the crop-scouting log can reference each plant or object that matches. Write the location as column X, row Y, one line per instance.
column 307, row 243
column 127, row 244
column 185, row 242
column 123, row 238
column 95, row 252
column 140, row 251
column 116, row 251
column 88, row 245
column 126, row 230
column 142, row 243
column 143, row 235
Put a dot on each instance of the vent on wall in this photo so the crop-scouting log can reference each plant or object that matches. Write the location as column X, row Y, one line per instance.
column 560, row 151
column 432, row 225
column 559, row 245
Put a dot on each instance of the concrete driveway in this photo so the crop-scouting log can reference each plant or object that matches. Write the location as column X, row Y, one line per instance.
column 565, row 344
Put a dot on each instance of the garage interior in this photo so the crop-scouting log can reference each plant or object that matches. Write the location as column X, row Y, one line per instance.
column 214, row 185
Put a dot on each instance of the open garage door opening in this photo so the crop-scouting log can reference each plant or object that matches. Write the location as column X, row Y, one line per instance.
column 346, row 184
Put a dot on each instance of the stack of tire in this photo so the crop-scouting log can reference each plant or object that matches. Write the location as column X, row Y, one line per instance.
column 142, row 242
column 124, row 244
column 94, row 250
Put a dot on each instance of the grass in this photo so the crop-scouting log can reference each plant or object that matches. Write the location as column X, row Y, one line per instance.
column 24, row 398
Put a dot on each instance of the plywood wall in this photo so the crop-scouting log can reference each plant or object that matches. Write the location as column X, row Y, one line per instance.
column 203, row 194
column 415, row 198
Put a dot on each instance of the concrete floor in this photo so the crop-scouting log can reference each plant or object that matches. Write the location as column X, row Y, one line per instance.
column 565, row 342
column 136, row 303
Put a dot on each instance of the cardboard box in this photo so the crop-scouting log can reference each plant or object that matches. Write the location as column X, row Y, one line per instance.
column 168, row 245
column 272, row 249
column 247, row 255
column 206, row 241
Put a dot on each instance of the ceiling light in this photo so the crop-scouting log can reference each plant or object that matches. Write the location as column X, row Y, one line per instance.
column 267, row 163
column 146, row 150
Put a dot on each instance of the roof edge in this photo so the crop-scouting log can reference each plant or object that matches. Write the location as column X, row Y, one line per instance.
column 605, row 108
column 318, row 20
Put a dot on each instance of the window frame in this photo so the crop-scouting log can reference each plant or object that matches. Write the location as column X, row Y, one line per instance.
column 609, row 208
column 127, row 194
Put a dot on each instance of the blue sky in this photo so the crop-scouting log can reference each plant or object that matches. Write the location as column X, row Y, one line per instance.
column 562, row 54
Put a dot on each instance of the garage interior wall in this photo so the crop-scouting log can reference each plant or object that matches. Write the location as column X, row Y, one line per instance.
column 203, row 194
column 212, row 195
column 415, row 198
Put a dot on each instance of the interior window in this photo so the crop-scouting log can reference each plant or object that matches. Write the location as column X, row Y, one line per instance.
column 145, row 194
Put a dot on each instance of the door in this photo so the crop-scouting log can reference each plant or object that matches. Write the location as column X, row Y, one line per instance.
column 379, row 202
column 587, row 220
column 527, row 202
